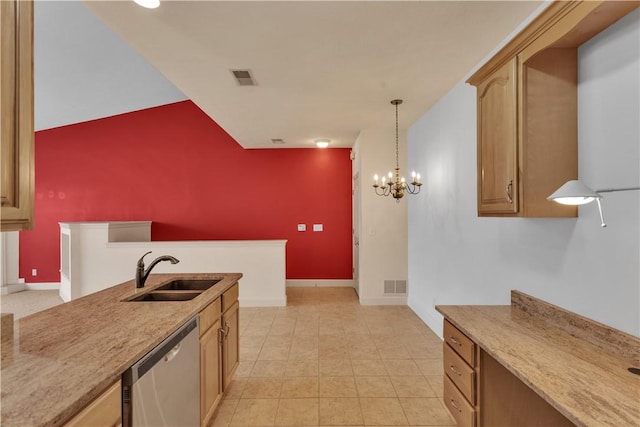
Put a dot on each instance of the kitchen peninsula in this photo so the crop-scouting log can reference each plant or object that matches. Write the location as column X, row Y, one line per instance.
column 63, row 358
column 536, row 364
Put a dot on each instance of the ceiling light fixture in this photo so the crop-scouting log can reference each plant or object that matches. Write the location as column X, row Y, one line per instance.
column 322, row 143
column 396, row 186
column 576, row 193
column 149, row 4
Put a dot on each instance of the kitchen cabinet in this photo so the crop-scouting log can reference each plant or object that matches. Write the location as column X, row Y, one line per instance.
column 527, row 143
column 231, row 335
column 16, row 112
column 104, row 411
column 210, row 362
column 459, row 364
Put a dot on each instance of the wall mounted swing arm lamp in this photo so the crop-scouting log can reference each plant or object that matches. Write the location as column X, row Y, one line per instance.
column 575, row 192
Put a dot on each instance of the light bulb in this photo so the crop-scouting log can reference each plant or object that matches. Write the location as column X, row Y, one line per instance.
column 149, row 4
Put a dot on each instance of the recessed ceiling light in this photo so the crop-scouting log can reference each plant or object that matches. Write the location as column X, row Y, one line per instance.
column 277, row 141
column 322, row 143
column 149, row 4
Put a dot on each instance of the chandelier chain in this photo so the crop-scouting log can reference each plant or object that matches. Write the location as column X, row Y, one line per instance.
column 397, row 155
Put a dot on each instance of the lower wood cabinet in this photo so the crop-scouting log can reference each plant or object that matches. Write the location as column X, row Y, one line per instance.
column 231, row 338
column 460, row 368
column 104, row 411
column 210, row 362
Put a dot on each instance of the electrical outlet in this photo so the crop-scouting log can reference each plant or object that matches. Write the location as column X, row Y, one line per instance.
column 34, row 272
column 302, row 227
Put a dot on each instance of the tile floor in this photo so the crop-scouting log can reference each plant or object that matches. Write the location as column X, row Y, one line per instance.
column 324, row 360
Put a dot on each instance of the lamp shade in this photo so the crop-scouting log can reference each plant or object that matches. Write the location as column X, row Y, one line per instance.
column 574, row 193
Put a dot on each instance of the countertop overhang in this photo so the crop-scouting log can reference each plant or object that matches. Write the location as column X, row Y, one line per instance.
column 64, row 357
column 585, row 380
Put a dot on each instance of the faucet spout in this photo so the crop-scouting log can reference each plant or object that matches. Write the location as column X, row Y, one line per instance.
column 142, row 274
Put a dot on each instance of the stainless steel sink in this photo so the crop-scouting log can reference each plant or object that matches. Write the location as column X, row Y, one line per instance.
column 166, row 296
column 188, row 285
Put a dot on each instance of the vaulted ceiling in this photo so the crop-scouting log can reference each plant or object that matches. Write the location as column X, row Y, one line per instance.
column 324, row 69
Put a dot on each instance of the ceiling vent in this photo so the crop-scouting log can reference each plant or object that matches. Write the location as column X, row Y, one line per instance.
column 277, row 141
column 244, row 77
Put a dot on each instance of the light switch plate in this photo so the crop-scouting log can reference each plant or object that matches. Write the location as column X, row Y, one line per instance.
column 302, row 227
column 317, row 227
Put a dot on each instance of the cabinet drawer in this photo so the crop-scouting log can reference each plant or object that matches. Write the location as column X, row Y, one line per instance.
column 463, row 413
column 229, row 297
column 460, row 343
column 209, row 316
column 105, row 411
column 462, row 375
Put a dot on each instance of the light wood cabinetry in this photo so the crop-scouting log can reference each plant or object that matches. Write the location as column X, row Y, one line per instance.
column 479, row 391
column 231, row 335
column 527, row 110
column 210, row 362
column 219, row 351
column 105, row 411
column 16, row 115
column 459, row 364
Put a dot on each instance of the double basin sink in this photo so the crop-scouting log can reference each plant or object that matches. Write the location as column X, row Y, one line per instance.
column 177, row 290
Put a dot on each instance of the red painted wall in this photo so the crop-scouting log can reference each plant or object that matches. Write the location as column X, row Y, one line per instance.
column 174, row 166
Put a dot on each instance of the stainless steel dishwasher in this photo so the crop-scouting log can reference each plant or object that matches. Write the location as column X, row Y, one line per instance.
column 163, row 388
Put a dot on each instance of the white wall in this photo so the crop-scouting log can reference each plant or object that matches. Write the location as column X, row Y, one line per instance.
column 9, row 249
column 457, row 258
column 383, row 222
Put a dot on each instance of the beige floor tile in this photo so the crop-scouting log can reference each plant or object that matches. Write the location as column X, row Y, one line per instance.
column 340, row 411
column 401, row 367
column 225, row 412
column 297, row 412
column 244, row 368
column 375, row 387
column 368, row 368
column 338, row 387
column 274, row 352
column 277, row 340
column 383, row 411
column 235, row 388
column 262, row 388
column 437, row 384
column 412, row 386
column 255, row 412
column 297, row 387
column 301, row 368
column 333, row 352
column 335, row 367
column 269, row 368
column 303, row 351
column 393, row 352
column 430, row 366
column 426, row 412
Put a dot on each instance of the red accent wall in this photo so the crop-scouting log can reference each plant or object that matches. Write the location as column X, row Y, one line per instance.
column 175, row 166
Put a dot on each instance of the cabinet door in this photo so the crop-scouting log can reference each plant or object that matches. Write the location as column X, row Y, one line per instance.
column 16, row 114
column 497, row 142
column 231, row 343
column 105, row 411
column 210, row 384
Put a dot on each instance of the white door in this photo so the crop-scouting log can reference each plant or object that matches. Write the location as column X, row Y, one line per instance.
column 356, row 230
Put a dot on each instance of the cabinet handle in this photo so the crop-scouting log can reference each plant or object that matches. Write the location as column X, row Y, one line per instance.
column 226, row 330
column 455, row 341
column 453, row 403
column 454, row 370
column 223, row 334
column 509, row 188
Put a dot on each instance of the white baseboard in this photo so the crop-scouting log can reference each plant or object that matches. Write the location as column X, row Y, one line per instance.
column 431, row 318
column 51, row 286
column 263, row 302
column 320, row 283
column 10, row 289
column 390, row 300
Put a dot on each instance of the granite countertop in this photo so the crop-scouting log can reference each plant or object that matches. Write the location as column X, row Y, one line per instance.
column 577, row 365
column 64, row 357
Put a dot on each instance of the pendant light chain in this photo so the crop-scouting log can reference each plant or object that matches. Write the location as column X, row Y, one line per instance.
column 397, row 151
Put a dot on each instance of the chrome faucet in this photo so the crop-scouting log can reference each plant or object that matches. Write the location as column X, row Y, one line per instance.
column 142, row 274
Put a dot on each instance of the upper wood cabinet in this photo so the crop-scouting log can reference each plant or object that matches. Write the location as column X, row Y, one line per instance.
column 528, row 110
column 498, row 142
column 16, row 113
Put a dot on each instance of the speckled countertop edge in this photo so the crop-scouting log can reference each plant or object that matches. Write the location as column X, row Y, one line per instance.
column 588, row 385
column 64, row 357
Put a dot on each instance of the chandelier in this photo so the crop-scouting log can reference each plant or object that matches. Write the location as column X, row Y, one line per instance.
column 395, row 185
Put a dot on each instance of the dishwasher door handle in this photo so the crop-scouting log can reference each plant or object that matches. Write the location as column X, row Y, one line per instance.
column 172, row 353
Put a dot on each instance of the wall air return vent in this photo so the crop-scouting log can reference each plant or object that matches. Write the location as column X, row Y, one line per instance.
column 395, row 287
column 277, row 141
column 244, row 77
